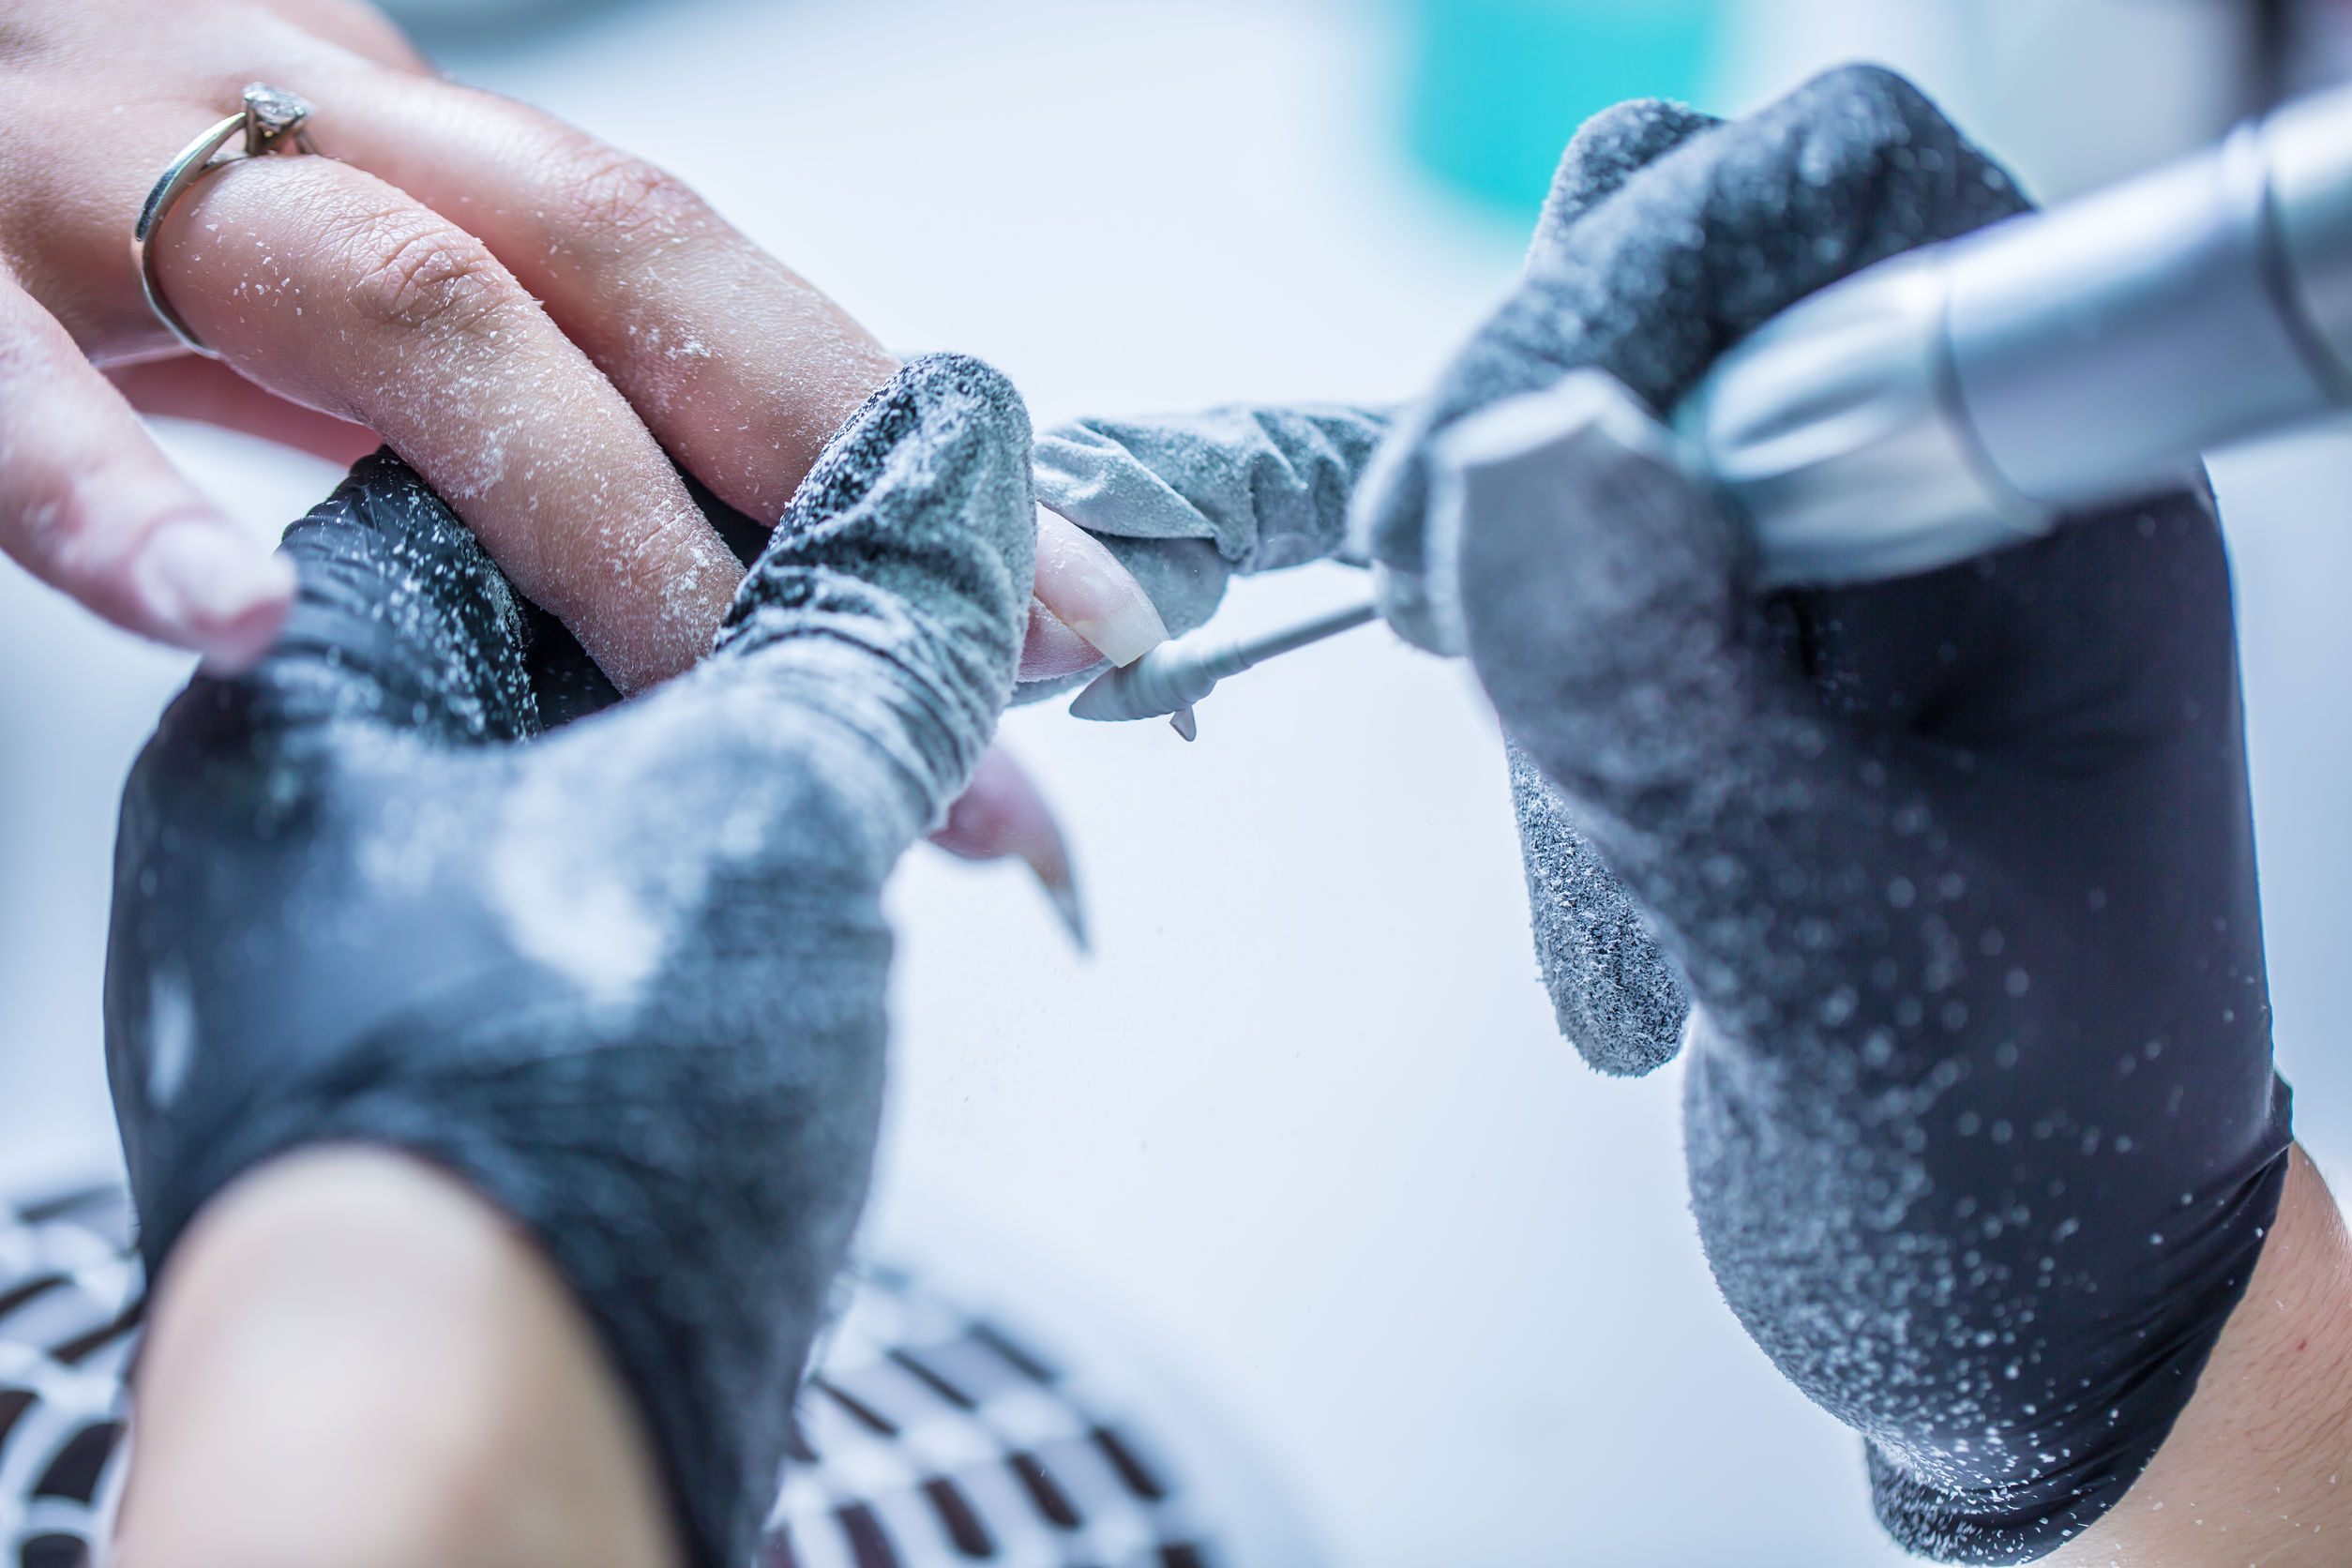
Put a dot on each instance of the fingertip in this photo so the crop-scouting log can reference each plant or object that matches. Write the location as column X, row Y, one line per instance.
column 205, row 585
column 1607, row 150
column 239, row 646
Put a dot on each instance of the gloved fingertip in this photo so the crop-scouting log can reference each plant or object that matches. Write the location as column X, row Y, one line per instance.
column 1626, row 1049
column 1502, row 484
column 1387, row 525
column 1583, row 405
column 1616, row 995
column 1607, row 150
column 916, row 531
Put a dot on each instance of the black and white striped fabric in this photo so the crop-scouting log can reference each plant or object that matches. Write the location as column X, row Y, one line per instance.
column 931, row 1437
column 69, row 1293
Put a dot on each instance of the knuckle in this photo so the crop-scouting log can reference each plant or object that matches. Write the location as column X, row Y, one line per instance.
column 48, row 522
column 417, row 271
column 59, row 527
column 625, row 203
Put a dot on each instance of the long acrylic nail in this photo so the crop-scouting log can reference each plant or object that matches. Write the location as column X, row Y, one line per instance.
column 211, row 588
column 1051, row 650
column 1084, row 585
column 1000, row 814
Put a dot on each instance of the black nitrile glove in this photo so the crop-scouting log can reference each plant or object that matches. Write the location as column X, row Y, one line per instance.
column 1983, row 1130
column 626, row 979
column 1553, row 323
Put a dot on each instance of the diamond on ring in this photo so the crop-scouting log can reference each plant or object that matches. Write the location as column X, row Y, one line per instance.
column 272, row 121
column 270, row 112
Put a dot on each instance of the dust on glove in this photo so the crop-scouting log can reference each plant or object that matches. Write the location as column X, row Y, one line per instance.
column 625, row 978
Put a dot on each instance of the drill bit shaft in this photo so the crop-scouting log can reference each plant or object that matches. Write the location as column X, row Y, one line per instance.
column 1173, row 676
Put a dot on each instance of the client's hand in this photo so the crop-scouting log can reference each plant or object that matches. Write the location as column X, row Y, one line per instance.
column 623, row 982
column 537, row 321
column 529, row 317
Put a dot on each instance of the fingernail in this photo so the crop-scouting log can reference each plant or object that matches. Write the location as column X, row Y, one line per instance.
column 1002, row 813
column 1067, row 903
column 210, row 587
column 1051, row 649
column 1084, row 585
column 1127, row 633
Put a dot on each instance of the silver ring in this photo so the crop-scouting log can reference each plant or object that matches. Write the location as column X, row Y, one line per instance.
column 271, row 121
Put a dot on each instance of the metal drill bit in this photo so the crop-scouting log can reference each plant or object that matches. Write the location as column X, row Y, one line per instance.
column 1173, row 676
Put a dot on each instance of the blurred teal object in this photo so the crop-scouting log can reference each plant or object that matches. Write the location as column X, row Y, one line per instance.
column 1499, row 85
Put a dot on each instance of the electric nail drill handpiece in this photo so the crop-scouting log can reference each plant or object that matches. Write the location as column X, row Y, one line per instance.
column 1966, row 396
column 1960, row 398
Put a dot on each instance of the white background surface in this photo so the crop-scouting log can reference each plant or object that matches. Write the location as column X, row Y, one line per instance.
column 1302, row 1122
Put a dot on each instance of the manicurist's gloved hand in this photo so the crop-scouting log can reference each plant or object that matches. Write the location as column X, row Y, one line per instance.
column 623, row 979
column 1187, row 501
column 1983, row 1134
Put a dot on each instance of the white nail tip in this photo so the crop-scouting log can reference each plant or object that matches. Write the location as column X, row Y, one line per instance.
column 1125, row 635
